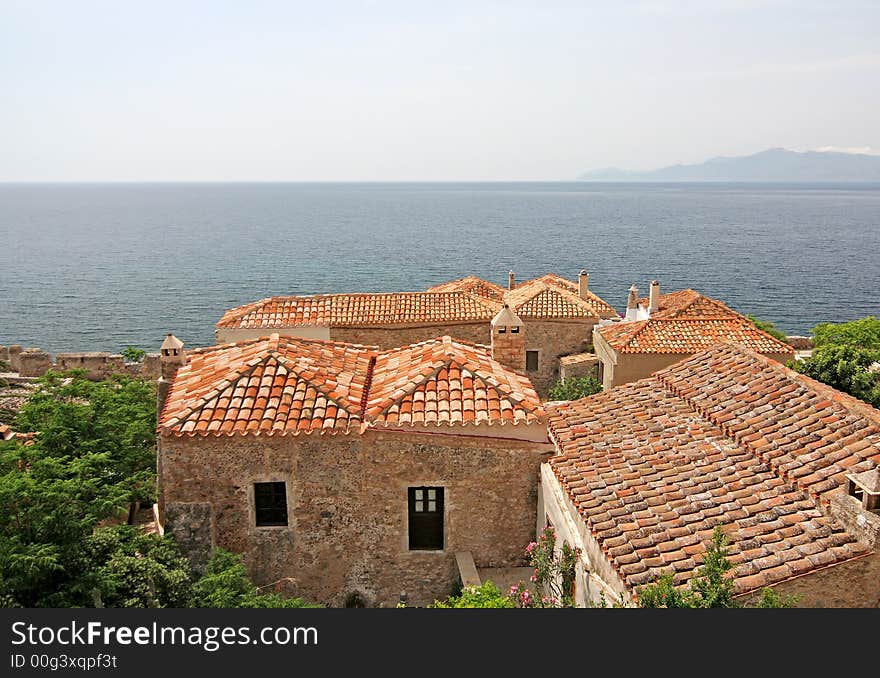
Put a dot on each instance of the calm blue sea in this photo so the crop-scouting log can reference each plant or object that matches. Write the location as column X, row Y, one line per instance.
column 104, row 266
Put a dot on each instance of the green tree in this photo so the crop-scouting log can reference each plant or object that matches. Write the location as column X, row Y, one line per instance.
column 127, row 568
column 226, row 584
column 768, row 327
column 845, row 356
column 133, row 355
column 574, row 388
column 864, row 333
column 711, row 587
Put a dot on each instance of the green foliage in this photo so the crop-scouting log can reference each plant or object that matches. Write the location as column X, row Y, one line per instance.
column 128, row 568
column 485, row 596
column 133, row 355
column 709, row 588
column 768, row 327
column 574, row 388
column 94, row 455
column 226, row 584
column 553, row 576
column 846, row 368
column 843, row 356
column 864, row 333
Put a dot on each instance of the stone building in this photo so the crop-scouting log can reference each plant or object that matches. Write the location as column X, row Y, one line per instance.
column 663, row 329
column 558, row 317
column 345, row 472
column 786, row 466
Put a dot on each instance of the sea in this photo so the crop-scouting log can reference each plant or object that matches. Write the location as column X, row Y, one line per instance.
column 100, row 267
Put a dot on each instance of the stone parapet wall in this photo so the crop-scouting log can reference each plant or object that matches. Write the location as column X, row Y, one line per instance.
column 799, row 343
column 34, row 362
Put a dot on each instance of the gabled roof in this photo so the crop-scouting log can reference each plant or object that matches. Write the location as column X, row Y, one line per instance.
column 726, row 437
column 472, row 285
column 552, row 297
column 442, row 381
column 469, row 299
column 292, row 385
column 690, row 304
column 347, row 310
column 269, row 385
column 688, row 335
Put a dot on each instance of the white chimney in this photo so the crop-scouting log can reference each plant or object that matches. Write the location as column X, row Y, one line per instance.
column 583, row 283
column 632, row 303
column 654, row 297
column 511, row 280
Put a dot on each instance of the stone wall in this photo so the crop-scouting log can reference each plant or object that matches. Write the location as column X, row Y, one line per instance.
column 579, row 365
column 552, row 340
column 394, row 336
column 347, row 507
column 34, row 362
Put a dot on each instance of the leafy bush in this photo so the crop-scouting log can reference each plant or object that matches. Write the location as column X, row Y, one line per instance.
column 226, row 584
column 709, row 588
column 574, row 388
column 486, row 595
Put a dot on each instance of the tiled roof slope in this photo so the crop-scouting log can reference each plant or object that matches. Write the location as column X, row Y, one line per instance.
column 292, row 385
column 469, row 299
column 268, row 386
column 344, row 310
column 448, row 382
column 726, row 437
column 690, row 304
column 472, row 285
column 553, row 298
column 688, row 335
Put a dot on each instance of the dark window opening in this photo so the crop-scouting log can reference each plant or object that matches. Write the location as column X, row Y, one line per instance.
column 514, row 330
column 502, row 330
column 270, row 504
column 532, row 361
column 426, row 518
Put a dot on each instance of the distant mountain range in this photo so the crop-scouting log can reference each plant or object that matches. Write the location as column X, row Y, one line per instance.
column 775, row 164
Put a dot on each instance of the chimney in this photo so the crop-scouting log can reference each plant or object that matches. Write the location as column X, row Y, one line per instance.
column 509, row 339
column 171, row 356
column 632, row 303
column 654, row 298
column 511, row 280
column 583, row 283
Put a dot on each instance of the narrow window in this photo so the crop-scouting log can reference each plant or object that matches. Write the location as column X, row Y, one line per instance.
column 514, row 330
column 270, row 504
column 502, row 330
column 532, row 361
column 426, row 518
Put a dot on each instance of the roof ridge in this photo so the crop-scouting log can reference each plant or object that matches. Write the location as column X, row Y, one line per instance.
column 291, row 367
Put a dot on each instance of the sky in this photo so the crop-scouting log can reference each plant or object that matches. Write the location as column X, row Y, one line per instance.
column 425, row 91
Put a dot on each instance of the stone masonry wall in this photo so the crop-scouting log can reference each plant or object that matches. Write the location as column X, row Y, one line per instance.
column 394, row 336
column 33, row 362
column 347, row 507
column 552, row 340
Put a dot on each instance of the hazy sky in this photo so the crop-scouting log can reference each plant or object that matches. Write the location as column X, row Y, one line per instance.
column 325, row 90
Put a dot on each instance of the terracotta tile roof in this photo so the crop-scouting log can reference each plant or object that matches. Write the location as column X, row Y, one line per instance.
column 688, row 335
column 442, row 381
column 552, row 297
column 344, row 310
column 292, row 385
column 690, row 304
column 469, row 299
column 268, row 385
column 472, row 285
column 726, row 437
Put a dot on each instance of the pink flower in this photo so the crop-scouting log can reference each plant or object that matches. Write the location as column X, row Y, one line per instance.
column 534, row 577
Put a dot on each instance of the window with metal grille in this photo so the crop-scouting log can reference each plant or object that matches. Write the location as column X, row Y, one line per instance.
column 532, row 361
column 270, row 504
column 426, row 518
